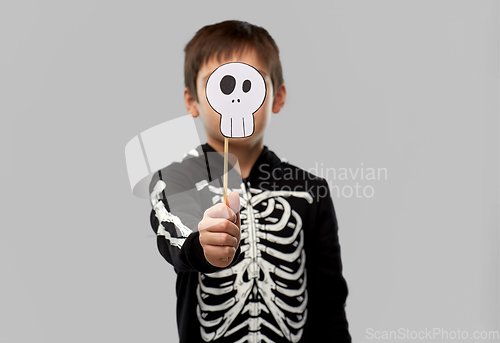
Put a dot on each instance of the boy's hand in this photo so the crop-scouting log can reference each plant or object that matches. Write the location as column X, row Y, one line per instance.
column 220, row 231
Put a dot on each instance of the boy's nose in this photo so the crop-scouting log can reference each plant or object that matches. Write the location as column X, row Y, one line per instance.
column 237, row 100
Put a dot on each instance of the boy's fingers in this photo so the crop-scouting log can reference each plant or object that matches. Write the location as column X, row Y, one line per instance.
column 214, row 252
column 219, row 225
column 218, row 239
column 209, row 222
column 235, row 219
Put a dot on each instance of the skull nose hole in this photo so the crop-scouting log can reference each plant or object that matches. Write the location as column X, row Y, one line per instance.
column 238, row 100
column 233, row 100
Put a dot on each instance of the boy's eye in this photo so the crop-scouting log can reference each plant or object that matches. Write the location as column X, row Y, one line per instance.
column 246, row 86
column 227, row 84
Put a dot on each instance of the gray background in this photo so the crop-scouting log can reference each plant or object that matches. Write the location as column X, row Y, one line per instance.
column 411, row 86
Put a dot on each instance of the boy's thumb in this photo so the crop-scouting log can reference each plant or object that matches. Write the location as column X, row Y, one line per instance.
column 234, row 201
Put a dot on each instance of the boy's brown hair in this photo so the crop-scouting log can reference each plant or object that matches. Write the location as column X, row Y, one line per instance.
column 222, row 40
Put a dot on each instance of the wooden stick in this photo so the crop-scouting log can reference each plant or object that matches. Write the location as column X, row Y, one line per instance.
column 226, row 143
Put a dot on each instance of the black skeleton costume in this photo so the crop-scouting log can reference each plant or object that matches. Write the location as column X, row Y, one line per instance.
column 285, row 283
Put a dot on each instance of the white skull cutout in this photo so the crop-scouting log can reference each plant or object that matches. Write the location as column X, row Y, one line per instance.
column 236, row 91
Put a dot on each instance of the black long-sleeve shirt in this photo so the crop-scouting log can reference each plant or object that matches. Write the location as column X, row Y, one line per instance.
column 285, row 283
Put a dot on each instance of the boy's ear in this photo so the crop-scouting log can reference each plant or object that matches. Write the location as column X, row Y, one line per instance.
column 279, row 99
column 190, row 103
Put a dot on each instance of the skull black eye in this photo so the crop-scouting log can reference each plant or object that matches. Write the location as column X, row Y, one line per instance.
column 246, row 86
column 227, row 84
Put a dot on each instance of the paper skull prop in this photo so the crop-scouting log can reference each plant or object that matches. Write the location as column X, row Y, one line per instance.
column 236, row 91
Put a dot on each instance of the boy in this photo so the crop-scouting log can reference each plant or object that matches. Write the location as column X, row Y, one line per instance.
column 271, row 270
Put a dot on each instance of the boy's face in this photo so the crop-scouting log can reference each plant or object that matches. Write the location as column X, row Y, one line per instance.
column 211, row 119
